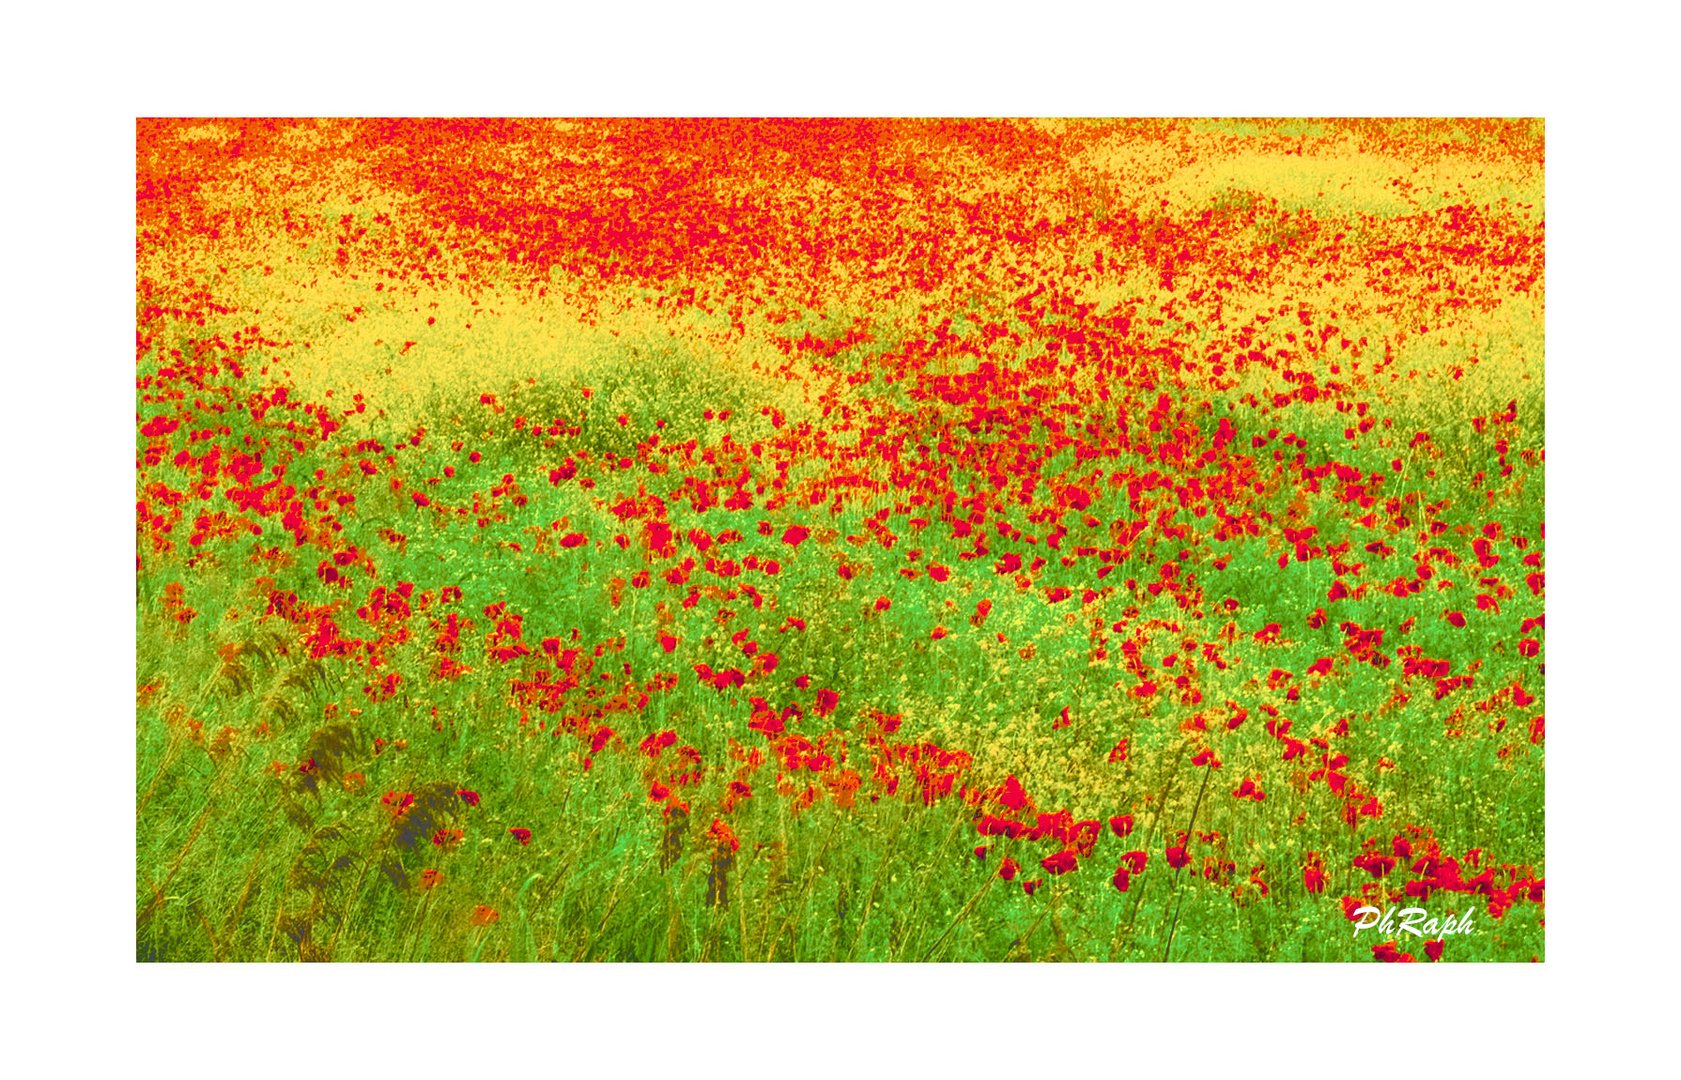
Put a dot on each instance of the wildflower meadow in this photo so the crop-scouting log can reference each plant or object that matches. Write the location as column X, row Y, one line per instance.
column 839, row 540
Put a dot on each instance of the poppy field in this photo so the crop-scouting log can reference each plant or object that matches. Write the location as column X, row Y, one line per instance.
column 839, row 540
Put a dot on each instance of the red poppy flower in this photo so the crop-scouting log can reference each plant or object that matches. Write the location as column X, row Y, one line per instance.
column 722, row 836
column 522, row 835
column 654, row 744
column 1060, row 863
column 1390, row 953
column 1012, row 794
column 1375, row 864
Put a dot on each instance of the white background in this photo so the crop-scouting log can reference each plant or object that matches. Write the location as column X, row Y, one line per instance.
column 80, row 1005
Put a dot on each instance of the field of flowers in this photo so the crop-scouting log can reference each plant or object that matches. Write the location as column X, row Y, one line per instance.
column 839, row 540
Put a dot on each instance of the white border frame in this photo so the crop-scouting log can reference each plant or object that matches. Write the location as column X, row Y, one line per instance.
column 71, row 119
